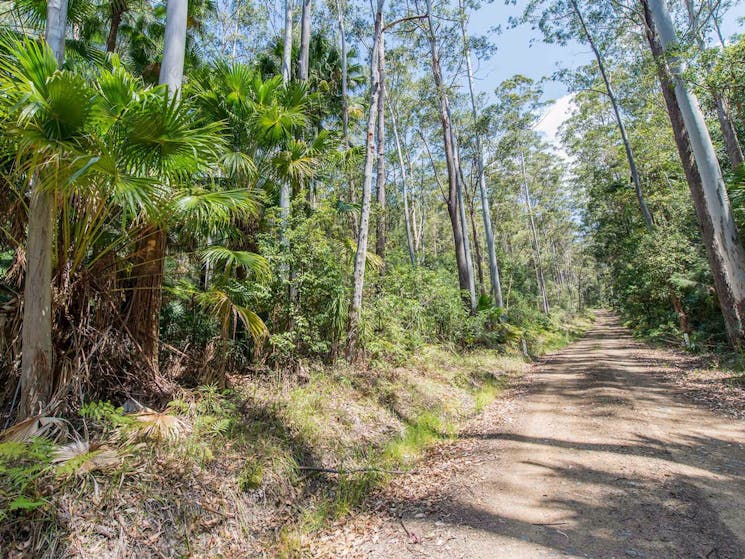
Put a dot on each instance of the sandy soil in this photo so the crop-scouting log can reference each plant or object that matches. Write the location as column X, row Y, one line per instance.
column 601, row 457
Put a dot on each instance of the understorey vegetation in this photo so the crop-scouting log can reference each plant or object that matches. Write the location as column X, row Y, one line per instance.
column 254, row 259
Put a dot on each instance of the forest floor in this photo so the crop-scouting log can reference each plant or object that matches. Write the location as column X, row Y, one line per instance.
column 607, row 449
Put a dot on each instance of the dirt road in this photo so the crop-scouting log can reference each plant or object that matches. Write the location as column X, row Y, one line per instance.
column 603, row 459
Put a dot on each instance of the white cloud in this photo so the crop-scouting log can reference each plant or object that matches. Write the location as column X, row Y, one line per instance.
column 556, row 115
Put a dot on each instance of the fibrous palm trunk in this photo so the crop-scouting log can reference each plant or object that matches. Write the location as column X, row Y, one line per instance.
column 147, row 293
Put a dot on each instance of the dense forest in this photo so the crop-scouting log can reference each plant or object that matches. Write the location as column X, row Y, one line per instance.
column 208, row 202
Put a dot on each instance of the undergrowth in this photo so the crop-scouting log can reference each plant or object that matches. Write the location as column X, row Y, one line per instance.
column 246, row 463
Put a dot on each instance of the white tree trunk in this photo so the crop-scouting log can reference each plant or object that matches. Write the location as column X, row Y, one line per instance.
column 496, row 282
column 729, row 134
column 635, row 179
column 726, row 253
column 287, row 45
column 405, row 188
column 304, row 40
column 540, row 278
column 174, row 46
column 462, row 218
column 37, row 381
column 380, row 228
column 355, row 311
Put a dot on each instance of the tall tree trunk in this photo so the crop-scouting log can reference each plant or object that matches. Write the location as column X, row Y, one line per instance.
column 380, row 229
column 540, row 278
column 619, row 119
column 304, row 41
column 476, row 245
column 355, row 310
column 287, row 45
column 344, row 75
column 405, row 187
column 710, row 198
column 496, row 282
column 118, row 9
column 462, row 220
column 284, row 188
column 452, row 192
column 147, row 293
column 729, row 134
column 37, row 367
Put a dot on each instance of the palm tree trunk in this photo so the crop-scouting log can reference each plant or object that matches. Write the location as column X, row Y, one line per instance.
column 496, row 282
column 37, row 373
column 619, row 120
column 147, row 293
column 118, row 8
column 709, row 194
column 355, row 310
column 304, row 41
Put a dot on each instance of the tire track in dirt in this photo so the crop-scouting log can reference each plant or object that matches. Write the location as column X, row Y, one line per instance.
column 602, row 458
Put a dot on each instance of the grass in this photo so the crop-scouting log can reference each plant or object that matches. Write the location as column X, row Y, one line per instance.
column 234, row 463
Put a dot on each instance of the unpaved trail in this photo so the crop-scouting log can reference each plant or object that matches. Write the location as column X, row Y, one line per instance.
column 603, row 459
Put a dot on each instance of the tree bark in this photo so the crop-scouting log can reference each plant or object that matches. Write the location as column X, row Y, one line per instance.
column 710, row 198
column 37, row 355
column 147, row 293
column 452, row 192
column 496, row 282
column 405, row 188
column 284, row 188
column 355, row 310
column 118, row 8
column 380, row 226
column 304, row 41
column 540, row 278
column 287, row 44
column 729, row 134
column 463, row 222
column 619, row 120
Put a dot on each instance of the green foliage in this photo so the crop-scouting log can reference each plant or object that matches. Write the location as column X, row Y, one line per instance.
column 22, row 466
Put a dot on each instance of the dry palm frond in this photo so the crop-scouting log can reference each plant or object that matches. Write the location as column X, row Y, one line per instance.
column 81, row 457
column 37, row 426
column 157, row 425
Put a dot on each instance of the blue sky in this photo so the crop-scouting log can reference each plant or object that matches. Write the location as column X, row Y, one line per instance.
column 516, row 55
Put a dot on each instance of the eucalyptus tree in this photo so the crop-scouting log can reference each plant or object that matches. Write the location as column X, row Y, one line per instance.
column 496, row 284
column 380, row 169
column 563, row 20
column 726, row 125
column 465, row 273
column 355, row 309
column 303, row 60
column 709, row 193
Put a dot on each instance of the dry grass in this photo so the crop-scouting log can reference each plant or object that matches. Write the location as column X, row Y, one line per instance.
column 217, row 473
